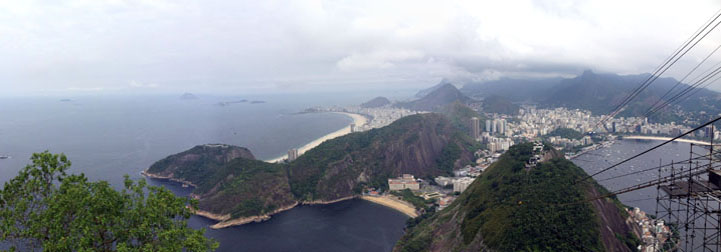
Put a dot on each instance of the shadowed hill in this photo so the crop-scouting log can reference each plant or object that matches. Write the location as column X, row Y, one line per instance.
column 376, row 102
column 437, row 99
column 424, row 145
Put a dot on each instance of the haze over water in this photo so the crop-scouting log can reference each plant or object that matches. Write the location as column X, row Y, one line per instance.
column 107, row 137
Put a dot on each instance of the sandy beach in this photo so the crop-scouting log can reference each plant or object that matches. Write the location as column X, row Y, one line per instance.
column 357, row 120
column 394, row 203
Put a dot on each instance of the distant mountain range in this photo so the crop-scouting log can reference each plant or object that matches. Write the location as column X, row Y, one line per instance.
column 596, row 92
column 440, row 96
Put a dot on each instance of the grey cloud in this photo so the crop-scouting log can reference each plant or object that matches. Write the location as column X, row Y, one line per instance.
column 273, row 46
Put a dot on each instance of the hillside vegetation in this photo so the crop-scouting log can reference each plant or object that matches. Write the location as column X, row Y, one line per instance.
column 230, row 182
column 511, row 209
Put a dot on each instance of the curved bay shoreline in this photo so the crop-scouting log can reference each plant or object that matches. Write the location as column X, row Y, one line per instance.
column 225, row 220
column 358, row 120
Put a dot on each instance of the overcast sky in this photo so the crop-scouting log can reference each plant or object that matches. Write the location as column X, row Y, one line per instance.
column 238, row 46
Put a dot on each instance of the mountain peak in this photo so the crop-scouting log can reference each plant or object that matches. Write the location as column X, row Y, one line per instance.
column 441, row 95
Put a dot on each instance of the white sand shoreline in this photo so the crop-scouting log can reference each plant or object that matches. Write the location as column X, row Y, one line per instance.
column 393, row 203
column 358, row 120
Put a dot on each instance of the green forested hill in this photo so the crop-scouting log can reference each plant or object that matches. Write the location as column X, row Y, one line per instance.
column 230, row 181
column 424, row 145
column 511, row 209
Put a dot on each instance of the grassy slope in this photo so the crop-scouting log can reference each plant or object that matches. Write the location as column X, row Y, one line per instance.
column 508, row 209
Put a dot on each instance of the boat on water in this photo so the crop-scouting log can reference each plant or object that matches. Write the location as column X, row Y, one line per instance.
column 4, row 157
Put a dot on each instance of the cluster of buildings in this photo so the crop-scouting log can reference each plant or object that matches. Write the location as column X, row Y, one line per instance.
column 653, row 233
column 502, row 131
column 498, row 127
column 459, row 184
column 379, row 117
column 570, row 143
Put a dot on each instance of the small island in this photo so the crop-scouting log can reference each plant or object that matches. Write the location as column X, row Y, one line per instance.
column 188, row 96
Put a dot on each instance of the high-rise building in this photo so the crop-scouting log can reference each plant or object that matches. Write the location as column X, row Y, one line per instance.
column 352, row 127
column 475, row 128
column 488, row 125
column 502, row 126
column 613, row 127
column 292, row 154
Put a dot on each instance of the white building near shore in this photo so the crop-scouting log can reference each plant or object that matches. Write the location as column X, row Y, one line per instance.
column 407, row 181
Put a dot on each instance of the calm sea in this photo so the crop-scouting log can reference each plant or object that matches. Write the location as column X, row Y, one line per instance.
column 605, row 157
column 109, row 136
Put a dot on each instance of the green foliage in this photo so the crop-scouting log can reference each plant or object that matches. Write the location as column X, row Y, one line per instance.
column 244, row 188
column 417, row 244
column 566, row 133
column 44, row 208
column 408, row 196
column 629, row 239
column 371, row 152
column 450, row 153
column 516, row 210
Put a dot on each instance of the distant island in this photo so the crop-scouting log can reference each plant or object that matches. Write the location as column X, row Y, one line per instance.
column 188, row 96
column 256, row 102
column 66, row 100
column 232, row 102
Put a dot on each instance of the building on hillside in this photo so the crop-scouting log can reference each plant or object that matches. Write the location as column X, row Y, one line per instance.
column 475, row 128
column 292, row 154
column 407, row 181
column 461, row 184
column 443, row 181
column 445, row 201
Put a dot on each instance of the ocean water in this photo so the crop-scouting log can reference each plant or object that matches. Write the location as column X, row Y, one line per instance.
column 107, row 137
column 602, row 158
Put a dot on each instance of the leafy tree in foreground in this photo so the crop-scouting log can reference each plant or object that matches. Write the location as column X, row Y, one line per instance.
column 44, row 208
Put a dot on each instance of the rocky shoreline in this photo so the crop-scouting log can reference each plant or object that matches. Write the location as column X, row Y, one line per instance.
column 169, row 178
column 224, row 220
